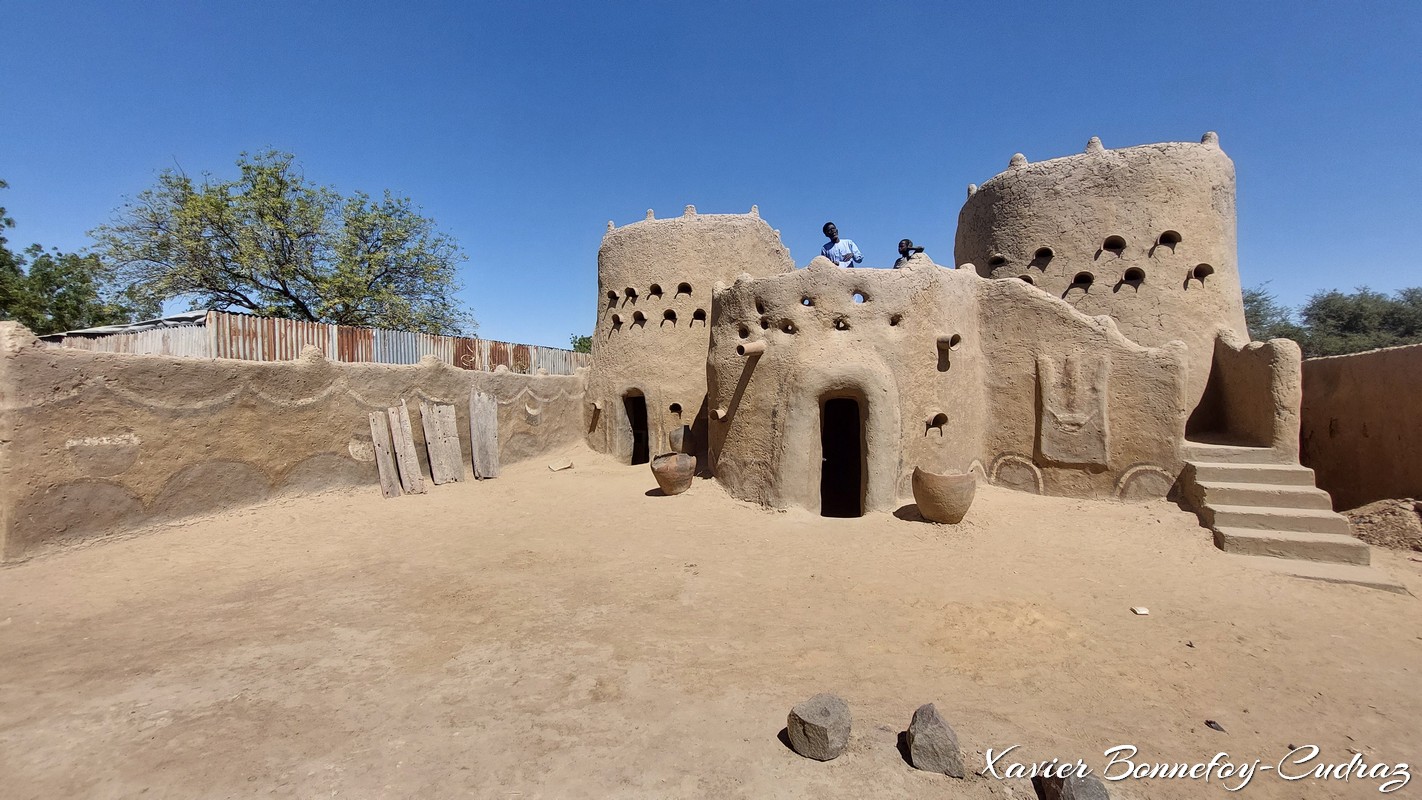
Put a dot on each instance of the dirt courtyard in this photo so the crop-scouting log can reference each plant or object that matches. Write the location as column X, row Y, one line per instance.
column 554, row 635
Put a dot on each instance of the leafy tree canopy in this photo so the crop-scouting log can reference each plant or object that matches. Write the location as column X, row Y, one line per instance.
column 271, row 243
column 1335, row 323
column 50, row 291
column 581, row 344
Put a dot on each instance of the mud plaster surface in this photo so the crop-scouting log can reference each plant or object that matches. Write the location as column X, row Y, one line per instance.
column 567, row 635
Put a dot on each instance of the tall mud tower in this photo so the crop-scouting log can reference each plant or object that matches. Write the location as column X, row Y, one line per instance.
column 1144, row 235
column 648, row 376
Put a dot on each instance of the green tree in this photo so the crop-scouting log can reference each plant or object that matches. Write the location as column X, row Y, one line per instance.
column 50, row 291
column 1267, row 317
column 581, row 344
column 1339, row 323
column 271, row 243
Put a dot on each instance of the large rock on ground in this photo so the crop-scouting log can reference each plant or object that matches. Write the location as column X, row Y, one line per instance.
column 932, row 744
column 1073, row 788
column 819, row 727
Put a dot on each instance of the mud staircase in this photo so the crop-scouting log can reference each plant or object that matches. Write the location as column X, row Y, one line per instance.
column 1265, row 509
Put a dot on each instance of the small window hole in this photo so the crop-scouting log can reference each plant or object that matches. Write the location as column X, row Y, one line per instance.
column 806, row 301
column 765, row 323
column 743, row 332
column 859, row 297
column 1027, row 279
column 638, row 318
column 896, row 319
column 841, row 324
column 1083, row 280
column 675, row 408
column 1170, row 239
column 759, row 306
column 938, row 421
column 655, row 291
column 1114, row 244
column 1042, row 256
column 669, row 316
column 1202, row 271
column 631, row 294
column 1134, row 276
column 612, row 299
column 997, row 260
column 955, row 341
column 787, row 326
column 699, row 315
column 683, row 288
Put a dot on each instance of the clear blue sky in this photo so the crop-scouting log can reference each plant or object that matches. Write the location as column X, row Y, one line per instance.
column 522, row 128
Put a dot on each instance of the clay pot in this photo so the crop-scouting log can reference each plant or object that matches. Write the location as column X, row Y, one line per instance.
column 674, row 472
column 943, row 498
column 677, row 439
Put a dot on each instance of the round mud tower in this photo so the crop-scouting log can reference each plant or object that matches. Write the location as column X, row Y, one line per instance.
column 819, row 727
column 932, row 744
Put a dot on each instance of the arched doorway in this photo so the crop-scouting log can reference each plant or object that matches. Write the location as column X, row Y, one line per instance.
column 635, row 404
column 843, row 462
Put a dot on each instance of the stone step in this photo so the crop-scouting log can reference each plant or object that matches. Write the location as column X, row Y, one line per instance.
column 1275, row 519
column 1218, row 493
column 1276, row 474
column 1370, row 577
column 1330, row 547
column 1231, row 454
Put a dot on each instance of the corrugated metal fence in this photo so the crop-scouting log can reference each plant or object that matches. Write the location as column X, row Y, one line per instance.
column 226, row 335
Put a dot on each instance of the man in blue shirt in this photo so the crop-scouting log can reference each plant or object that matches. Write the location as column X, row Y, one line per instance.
column 840, row 251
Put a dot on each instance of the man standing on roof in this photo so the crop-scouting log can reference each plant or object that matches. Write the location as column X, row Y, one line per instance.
column 841, row 251
column 907, row 251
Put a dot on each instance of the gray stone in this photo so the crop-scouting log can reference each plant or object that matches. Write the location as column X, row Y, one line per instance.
column 1073, row 788
column 819, row 727
column 932, row 744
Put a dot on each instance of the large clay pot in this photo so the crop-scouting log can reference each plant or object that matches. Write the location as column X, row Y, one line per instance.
column 674, row 472
column 943, row 498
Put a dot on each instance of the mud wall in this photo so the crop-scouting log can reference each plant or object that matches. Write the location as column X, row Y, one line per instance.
column 96, row 443
column 1076, row 408
column 869, row 335
column 1361, row 428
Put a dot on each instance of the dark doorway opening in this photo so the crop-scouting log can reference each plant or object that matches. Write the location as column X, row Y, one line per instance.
column 636, row 406
column 842, row 470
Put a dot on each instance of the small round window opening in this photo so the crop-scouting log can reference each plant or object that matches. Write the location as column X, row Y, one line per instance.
column 1201, row 272
column 1083, row 280
column 1027, row 279
column 675, row 408
column 997, row 260
column 1114, row 244
column 896, row 319
column 631, row 294
column 669, row 316
column 806, row 301
column 699, row 315
column 1170, row 239
column 859, row 297
column 743, row 332
column 1134, row 276
column 841, row 324
column 1043, row 255
column 683, row 288
column 787, row 326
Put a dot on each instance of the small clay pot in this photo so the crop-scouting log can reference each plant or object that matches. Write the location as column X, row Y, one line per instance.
column 943, row 498
column 677, row 439
column 674, row 472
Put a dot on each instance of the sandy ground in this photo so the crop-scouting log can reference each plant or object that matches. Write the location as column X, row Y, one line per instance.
column 568, row 635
